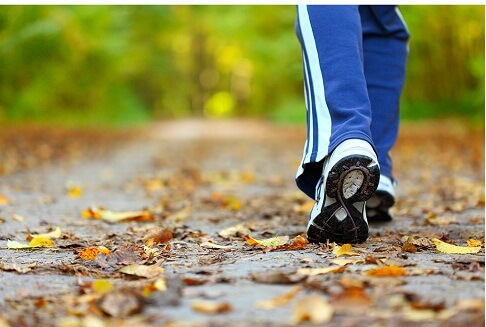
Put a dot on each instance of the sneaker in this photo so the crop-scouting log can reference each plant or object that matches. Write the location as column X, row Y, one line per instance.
column 378, row 206
column 350, row 177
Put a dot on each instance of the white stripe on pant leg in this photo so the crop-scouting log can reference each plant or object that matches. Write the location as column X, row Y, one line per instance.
column 323, row 132
column 309, row 101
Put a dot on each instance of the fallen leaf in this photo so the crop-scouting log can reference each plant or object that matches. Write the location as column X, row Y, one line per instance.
column 441, row 221
column 269, row 242
column 54, row 234
column 320, row 271
column 35, row 243
column 75, row 192
column 4, row 201
column 235, row 231
column 113, row 217
column 474, row 243
column 180, row 215
column 18, row 217
column 305, row 207
column 161, row 235
column 409, row 247
column 351, row 298
column 4, row 322
column 279, row 300
column 160, row 284
column 344, row 262
column 211, row 245
column 345, row 249
column 313, row 309
column 211, row 307
column 387, row 271
column 276, row 277
column 142, row 270
column 89, row 254
column 20, row 268
column 297, row 243
column 454, row 249
column 120, row 304
column 102, row 286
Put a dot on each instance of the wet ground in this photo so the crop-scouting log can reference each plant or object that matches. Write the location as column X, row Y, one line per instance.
column 190, row 181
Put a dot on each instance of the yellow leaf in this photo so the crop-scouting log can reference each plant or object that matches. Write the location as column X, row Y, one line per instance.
column 104, row 250
column 279, row 300
column 274, row 241
column 35, row 243
column 18, row 217
column 320, row 271
column 4, row 201
column 75, row 192
column 211, row 307
column 387, row 271
column 313, row 309
column 441, row 221
column 54, row 234
column 454, row 249
column 41, row 241
column 142, row 270
column 17, row 245
column 345, row 249
column 160, row 284
column 474, row 243
column 102, row 286
column 113, row 217
column 4, row 322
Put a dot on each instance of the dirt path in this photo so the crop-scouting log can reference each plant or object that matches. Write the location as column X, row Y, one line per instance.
column 192, row 180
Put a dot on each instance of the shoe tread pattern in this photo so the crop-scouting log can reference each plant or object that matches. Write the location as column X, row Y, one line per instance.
column 353, row 228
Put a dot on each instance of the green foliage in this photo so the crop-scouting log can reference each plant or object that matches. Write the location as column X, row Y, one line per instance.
column 125, row 64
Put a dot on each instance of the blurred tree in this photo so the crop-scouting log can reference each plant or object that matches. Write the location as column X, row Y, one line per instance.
column 128, row 63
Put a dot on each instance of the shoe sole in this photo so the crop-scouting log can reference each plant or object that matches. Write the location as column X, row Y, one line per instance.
column 382, row 215
column 352, row 179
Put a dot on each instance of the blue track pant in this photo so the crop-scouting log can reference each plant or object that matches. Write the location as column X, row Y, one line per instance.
column 354, row 61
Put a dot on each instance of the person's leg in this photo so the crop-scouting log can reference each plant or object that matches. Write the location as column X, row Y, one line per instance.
column 338, row 107
column 339, row 167
column 385, row 49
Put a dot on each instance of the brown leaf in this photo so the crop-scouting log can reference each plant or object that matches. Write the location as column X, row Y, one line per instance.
column 409, row 247
column 142, row 270
column 120, row 304
column 297, row 243
column 351, row 297
column 276, row 277
column 211, row 307
column 159, row 236
column 20, row 268
column 235, row 231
